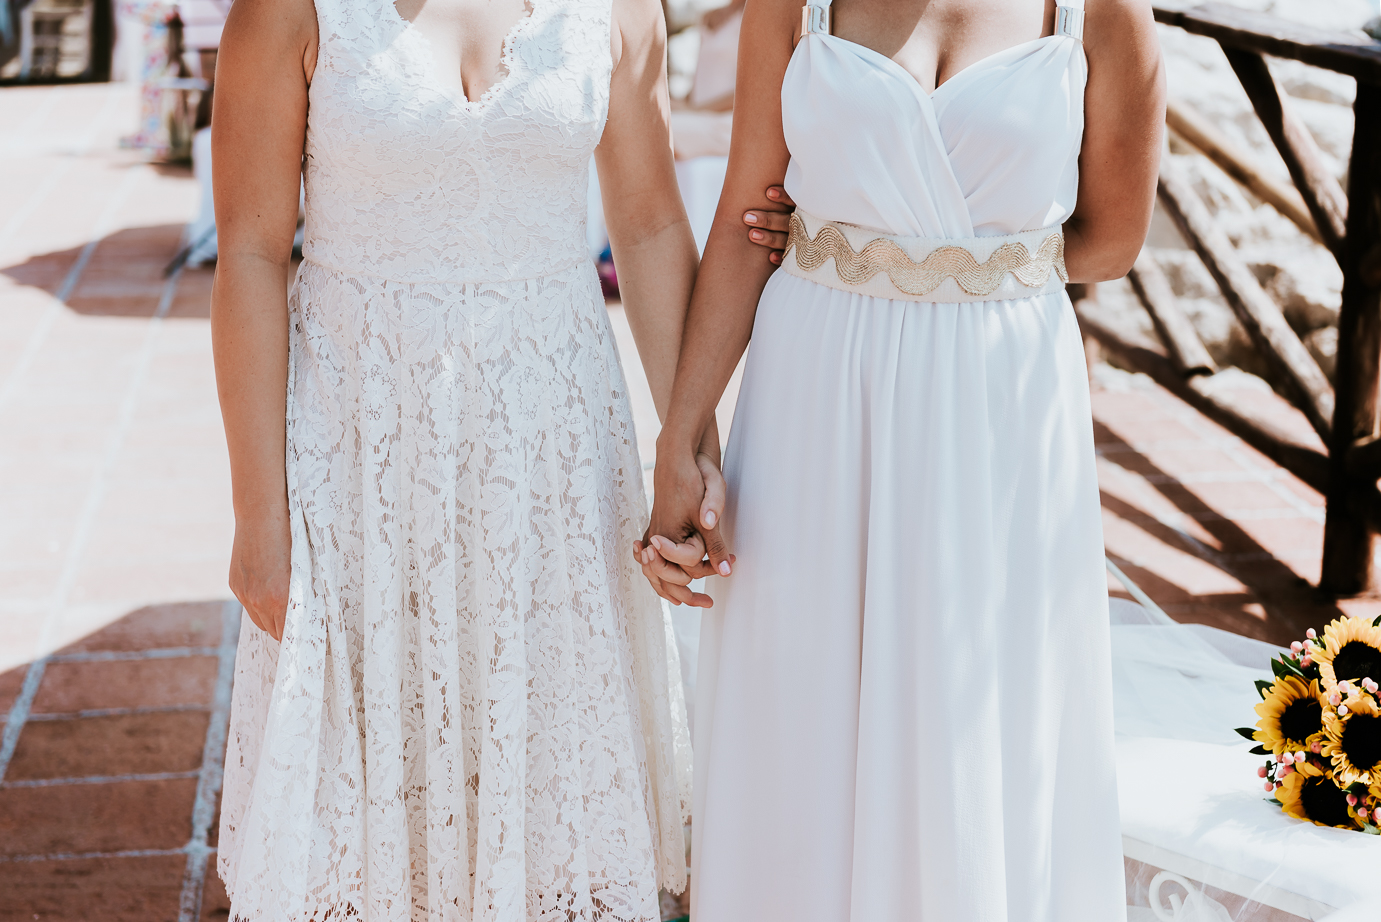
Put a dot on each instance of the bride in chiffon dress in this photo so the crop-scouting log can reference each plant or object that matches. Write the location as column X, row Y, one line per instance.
column 913, row 721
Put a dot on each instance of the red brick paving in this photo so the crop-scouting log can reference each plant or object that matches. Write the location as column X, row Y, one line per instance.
column 178, row 626
column 149, row 683
column 1211, row 529
column 115, row 817
column 102, row 789
column 138, row 889
column 148, row 743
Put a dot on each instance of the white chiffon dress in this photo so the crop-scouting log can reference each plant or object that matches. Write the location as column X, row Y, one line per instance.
column 903, row 705
column 476, row 709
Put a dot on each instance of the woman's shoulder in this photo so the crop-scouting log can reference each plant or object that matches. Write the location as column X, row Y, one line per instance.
column 1108, row 23
column 272, row 30
column 276, row 22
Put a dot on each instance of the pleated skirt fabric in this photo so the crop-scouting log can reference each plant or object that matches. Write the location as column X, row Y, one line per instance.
column 476, row 710
column 903, row 704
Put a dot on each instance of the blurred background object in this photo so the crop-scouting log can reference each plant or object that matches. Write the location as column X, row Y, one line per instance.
column 167, row 48
column 702, row 120
column 47, row 41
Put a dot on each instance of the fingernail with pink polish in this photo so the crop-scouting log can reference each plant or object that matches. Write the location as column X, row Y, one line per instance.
column 710, row 518
column 724, row 568
column 750, row 218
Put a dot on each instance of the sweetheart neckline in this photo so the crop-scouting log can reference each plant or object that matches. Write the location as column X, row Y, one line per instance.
column 456, row 94
column 915, row 82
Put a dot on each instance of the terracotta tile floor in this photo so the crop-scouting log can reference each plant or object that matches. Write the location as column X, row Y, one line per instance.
column 1211, row 529
column 116, row 639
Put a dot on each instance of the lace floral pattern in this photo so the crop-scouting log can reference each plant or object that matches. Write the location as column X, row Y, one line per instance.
column 476, row 709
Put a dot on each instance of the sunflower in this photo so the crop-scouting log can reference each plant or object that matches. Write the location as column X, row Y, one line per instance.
column 1353, row 741
column 1350, row 649
column 1291, row 716
column 1307, row 794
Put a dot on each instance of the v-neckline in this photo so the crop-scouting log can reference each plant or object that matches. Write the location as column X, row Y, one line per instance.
column 457, row 95
column 916, row 83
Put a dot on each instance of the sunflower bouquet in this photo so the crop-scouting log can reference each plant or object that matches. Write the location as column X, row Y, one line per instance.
column 1320, row 727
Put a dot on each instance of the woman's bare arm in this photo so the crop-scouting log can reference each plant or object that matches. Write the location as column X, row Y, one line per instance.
column 651, row 237
column 733, row 271
column 1124, row 120
column 266, row 57
column 649, row 233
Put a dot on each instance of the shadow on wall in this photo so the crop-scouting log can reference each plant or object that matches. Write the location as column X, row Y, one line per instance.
column 110, row 768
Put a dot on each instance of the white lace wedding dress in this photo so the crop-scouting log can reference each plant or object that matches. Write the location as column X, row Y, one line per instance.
column 475, row 712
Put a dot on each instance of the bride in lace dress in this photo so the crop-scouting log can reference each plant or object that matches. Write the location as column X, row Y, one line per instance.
column 455, row 698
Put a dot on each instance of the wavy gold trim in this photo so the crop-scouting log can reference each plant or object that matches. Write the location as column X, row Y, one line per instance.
column 921, row 278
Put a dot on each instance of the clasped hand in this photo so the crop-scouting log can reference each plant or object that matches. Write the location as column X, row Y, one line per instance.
column 683, row 543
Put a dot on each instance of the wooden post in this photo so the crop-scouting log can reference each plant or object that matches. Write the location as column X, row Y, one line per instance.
column 1259, row 315
column 1297, row 147
column 102, row 38
column 1241, row 165
column 1364, row 460
column 1174, row 328
column 1347, row 544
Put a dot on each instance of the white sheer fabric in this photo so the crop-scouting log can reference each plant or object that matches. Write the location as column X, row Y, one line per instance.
column 476, row 709
column 1192, row 805
column 914, row 722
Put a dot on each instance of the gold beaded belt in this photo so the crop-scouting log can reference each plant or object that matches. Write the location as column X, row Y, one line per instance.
column 923, row 269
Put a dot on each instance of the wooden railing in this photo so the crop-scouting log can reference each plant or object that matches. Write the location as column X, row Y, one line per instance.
column 1347, row 223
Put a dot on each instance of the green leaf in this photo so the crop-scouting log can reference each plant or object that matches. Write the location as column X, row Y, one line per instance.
column 1291, row 667
column 1263, row 686
column 1247, row 733
column 1260, row 751
column 1278, row 668
column 1272, row 800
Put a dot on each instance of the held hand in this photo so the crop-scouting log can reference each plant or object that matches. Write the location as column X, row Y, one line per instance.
column 685, row 527
column 260, row 567
column 671, row 581
column 770, row 228
column 690, row 555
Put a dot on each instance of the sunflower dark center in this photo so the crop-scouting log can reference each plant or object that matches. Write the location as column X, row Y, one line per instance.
column 1357, row 660
column 1361, row 741
column 1301, row 718
column 1324, row 802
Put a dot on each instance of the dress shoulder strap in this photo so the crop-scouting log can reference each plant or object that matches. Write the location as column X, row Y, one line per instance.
column 815, row 17
column 1069, row 19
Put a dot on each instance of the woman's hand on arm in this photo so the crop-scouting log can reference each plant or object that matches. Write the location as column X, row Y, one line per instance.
column 1124, row 122
column 770, row 227
column 266, row 57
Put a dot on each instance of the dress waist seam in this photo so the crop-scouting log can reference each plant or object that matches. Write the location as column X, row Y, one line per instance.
column 504, row 280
